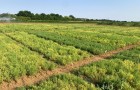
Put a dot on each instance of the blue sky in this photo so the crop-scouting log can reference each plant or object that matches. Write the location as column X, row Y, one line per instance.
column 128, row 10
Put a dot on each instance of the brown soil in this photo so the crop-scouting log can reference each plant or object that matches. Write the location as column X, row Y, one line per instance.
column 29, row 80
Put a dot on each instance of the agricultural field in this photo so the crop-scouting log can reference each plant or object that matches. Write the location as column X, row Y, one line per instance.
column 97, row 39
column 17, row 60
column 115, row 73
column 60, row 54
column 29, row 48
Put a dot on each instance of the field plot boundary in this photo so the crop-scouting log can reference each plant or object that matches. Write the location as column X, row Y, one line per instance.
column 29, row 80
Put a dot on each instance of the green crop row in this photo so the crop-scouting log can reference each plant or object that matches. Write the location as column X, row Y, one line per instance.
column 17, row 60
column 58, row 53
column 93, row 42
column 61, row 82
column 112, row 74
column 133, row 55
column 120, row 72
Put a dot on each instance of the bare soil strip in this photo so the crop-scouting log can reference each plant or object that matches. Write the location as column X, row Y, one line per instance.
column 42, row 75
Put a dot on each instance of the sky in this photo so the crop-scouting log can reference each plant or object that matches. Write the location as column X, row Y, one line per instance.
column 124, row 10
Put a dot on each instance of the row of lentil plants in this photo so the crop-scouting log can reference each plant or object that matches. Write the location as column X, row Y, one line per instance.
column 93, row 42
column 60, row 54
column 17, row 60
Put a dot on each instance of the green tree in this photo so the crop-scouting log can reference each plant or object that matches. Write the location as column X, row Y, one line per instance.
column 42, row 16
column 25, row 14
column 71, row 16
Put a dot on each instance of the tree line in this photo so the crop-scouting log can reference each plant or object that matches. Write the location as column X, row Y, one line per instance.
column 28, row 16
column 117, row 23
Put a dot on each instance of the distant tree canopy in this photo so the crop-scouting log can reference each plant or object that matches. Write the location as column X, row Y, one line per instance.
column 25, row 14
column 7, row 15
column 43, row 16
column 71, row 16
column 117, row 23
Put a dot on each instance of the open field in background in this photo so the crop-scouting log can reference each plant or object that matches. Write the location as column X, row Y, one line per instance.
column 28, row 48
